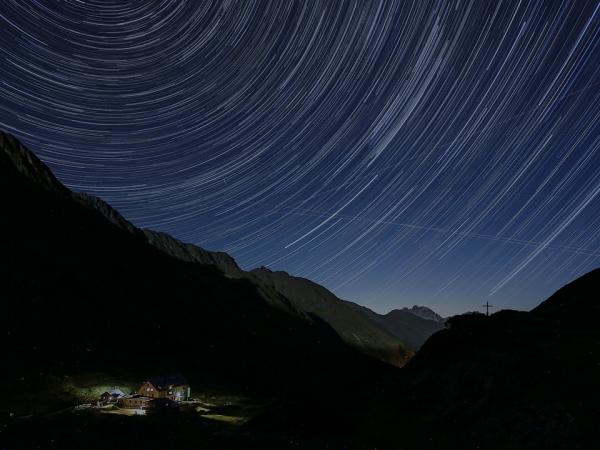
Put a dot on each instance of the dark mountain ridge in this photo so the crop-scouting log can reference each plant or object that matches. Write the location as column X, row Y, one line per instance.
column 81, row 293
column 79, row 290
column 360, row 331
column 514, row 380
column 15, row 156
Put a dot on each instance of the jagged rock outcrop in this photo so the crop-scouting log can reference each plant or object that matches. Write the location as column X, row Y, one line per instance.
column 192, row 253
column 425, row 313
column 106, row 210
column 14, row 155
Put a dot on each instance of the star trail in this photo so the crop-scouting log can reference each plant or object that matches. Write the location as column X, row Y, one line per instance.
column 443, row 153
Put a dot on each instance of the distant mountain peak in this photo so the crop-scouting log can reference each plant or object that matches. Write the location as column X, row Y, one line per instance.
column 424, row 312
column 412, row 326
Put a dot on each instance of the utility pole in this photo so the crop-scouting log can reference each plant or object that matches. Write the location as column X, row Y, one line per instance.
column 487, row 307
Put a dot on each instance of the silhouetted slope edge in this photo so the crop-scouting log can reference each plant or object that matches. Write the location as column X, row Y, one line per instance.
column 357, row 329
column 577, row 303
column 192, row 253
column 81, row 292
column 15, row 155
column 514, row 380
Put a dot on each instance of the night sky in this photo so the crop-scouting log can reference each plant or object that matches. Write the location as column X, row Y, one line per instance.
column 398, row 152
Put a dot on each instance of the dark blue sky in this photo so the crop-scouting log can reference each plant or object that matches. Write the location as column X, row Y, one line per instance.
column 440, row 153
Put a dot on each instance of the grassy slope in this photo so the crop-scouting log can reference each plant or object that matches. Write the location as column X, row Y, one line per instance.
column 352, row 325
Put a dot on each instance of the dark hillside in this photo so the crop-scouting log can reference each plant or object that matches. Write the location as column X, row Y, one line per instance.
column 302, row 298
column 511, row 381
column 514, row 380
column 80, row 292
column 412, row 326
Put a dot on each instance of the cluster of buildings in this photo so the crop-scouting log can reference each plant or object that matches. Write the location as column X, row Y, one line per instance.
column 156, row 393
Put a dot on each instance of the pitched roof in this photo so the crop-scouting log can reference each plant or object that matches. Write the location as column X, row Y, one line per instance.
column 169, row 380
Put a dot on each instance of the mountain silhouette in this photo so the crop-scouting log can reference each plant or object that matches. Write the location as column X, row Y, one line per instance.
column 412, row 326
column 513, row 380
column 84, row 290
column 354, row 326
column 81, row 285
column 358, row 330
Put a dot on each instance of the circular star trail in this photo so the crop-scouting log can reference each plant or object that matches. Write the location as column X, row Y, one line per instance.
column 441, row 153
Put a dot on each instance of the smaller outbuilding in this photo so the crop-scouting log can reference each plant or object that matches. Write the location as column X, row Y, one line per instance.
column 111, row 396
